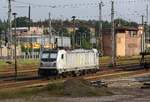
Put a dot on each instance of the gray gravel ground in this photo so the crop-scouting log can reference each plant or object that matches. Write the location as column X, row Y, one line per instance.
column 115, row 98
column 128, row 92
column 122, row 95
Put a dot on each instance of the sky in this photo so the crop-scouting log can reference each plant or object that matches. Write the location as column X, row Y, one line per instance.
column 130, row 10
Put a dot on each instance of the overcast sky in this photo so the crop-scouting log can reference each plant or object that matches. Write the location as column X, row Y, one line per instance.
column 82, row 9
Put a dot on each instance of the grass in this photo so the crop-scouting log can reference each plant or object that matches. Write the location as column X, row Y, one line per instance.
column 103, row 60
column 2, row 63
column 20, row 63
column 106, row 60
column 55, row 89
column 28, row 61
column 10, row 94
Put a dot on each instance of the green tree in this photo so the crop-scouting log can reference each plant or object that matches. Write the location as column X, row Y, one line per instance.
column 82, row 37
column 105, row 25
column 65, row 32
column 122, row 22
column 21, row 22
column 1, row 26
column 45, row 31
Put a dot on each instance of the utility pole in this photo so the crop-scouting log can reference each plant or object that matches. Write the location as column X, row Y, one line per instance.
column 147, row 28
column 15, row 45
column 29, row 14
column 29, row 18
column 146, row 35
column 29, row 25
column 142, row 19
column 9, row 30
column 9, row 20
column 32, row 48
column 147, row 13
column 80, row 40
column 100, row 38
column 113, row 35
column 50, row 28
column 61, row 31
column 73, row 37
column 143, row 35
column 32, row 45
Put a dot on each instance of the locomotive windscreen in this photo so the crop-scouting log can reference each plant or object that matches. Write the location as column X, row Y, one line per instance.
column 49, row 56
column 45, row 55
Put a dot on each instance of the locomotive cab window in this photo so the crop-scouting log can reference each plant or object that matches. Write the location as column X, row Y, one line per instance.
column 45, row 55
column 62, row 56
column 49, row 56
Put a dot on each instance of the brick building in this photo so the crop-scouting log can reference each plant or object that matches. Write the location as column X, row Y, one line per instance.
column 128, row 41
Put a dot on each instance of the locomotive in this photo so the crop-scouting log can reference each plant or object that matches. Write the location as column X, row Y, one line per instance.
column 68, row 62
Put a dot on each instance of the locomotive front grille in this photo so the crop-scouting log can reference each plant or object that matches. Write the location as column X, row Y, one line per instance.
column 49, row 64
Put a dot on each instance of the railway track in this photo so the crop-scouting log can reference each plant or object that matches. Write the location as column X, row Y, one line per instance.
column 36, row 81
column 27, row 78
column 10, row 74
column 7, row 74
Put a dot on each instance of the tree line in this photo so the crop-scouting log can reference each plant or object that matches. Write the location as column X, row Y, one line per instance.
column 82, row 34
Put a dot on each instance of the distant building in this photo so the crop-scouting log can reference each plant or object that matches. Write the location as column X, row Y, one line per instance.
column 45, row 40
column 25, row 31
column 128, row 41
column 4, row 51
column 70, row 30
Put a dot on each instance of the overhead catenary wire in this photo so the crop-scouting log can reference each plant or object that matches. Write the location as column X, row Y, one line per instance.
column 76, row 5
column 87, row 5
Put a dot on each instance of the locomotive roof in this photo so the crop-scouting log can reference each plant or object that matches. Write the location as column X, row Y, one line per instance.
column 82, row 50
column 75, row 51
column 52, row 51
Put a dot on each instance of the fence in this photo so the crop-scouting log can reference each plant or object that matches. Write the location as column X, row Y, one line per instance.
column 30, row 55
column 6, row 53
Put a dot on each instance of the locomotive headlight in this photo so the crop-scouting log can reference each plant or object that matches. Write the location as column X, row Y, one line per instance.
column 54, row 64
column 97, row 54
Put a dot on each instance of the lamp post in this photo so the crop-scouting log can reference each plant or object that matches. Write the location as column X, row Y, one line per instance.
column 61, row 30
column 15, row 44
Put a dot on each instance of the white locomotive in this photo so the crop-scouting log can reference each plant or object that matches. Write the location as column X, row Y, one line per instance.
column 62, row 62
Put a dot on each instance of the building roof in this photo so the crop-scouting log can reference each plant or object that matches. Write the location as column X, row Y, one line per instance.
column 127, row 28
column 119, row 29
column 20, row 28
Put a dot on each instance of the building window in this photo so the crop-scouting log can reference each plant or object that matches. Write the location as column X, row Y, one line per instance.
column 119, row 40
column 132, row 33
